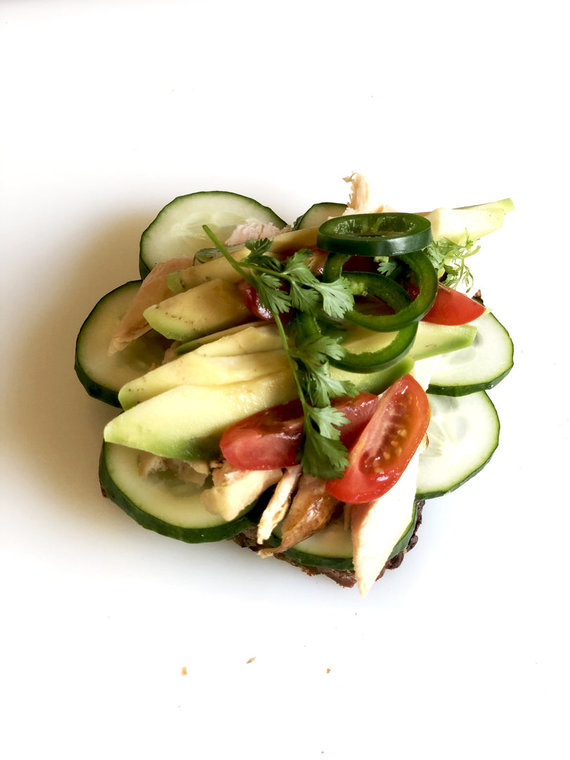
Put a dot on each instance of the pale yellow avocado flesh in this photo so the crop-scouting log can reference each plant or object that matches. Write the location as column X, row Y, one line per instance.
column 471, row 222
column 186, row 421
column 256, row 352
column 195, row 369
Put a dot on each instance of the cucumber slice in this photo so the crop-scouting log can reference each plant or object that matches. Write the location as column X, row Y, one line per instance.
column 463, row 434
column 177, row 230
column 319, row 213
column 161, row 502
column 100, row 374
column 480, row 366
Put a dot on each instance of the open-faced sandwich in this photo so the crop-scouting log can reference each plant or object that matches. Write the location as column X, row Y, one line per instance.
column 300, row 389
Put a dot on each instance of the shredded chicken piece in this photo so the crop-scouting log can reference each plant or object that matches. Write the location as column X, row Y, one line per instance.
column 190, row 472
column 253, row 231
column 195, row 471
column 311, row 510
column 150, row 463
column 359, row 193
column 360, row 201
column 234, row 489
column 377, row 526
column 278, row 505
column 153, row 290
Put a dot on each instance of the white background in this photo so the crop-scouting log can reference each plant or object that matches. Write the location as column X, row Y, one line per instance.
column 111, row 109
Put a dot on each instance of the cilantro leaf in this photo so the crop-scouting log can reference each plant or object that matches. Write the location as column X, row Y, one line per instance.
column 337, row 298
column 303, row 299
column 386, row 265
column 323, row 457
column 258, row 247
column 328, row 420
column 448, row 258
column 283, row 286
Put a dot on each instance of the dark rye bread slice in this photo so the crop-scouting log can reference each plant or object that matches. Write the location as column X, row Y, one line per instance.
column 346, row 578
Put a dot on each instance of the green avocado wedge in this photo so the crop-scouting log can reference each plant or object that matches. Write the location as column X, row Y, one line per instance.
column 187, row 422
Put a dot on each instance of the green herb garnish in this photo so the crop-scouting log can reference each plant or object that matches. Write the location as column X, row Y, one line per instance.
column 288, row 285
column 448, row 258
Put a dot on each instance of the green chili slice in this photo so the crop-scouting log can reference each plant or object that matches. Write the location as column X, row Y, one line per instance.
column 364, row 361
column 333, row 266
column 406, row 310
column 385, row 234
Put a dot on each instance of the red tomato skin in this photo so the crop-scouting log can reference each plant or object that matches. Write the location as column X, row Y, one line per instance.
column 251, row 300
column 403, row 407
column 266, row 440
column 250, row 297
column 450, row 307
column 272, row 438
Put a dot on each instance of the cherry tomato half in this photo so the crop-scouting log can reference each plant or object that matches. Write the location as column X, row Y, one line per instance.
column 450, row 307
column 386, row 445
column 271, row 438
column 250, row 297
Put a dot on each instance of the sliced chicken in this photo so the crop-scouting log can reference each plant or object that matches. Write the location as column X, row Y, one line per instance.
column 195, row 471
column 234, row 489
column 278, row 505
column 378, row 525
column 153, row 290
column 311, row 510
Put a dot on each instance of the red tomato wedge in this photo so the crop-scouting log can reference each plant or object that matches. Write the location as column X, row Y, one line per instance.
column 271, row 438
column 386, row 445
column 451, row 307
column 251, row 300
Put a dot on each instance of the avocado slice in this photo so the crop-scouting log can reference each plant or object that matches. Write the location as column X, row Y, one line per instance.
column 256, row 352
column 458, row 224
column 196, row 369
column 431, row 339
column 168, row 416
column 187, row 422
column 208, row 307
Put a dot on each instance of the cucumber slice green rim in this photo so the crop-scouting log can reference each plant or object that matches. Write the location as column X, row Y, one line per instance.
column 317, row 214
column 480, row 366
column 162, row 503
column 384, row 234
column 177, row 232
column 463, row 434
column 100, row 374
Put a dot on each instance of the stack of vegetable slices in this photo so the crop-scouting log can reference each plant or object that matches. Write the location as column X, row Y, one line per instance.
column 343, row 306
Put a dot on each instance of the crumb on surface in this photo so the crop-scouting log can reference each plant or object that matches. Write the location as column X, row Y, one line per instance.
column 251, row 659
column 184, row 672
column 328, row 670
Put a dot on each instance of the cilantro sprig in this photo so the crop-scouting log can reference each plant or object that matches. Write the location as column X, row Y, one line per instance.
column 288, row 285
column 448, row 258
